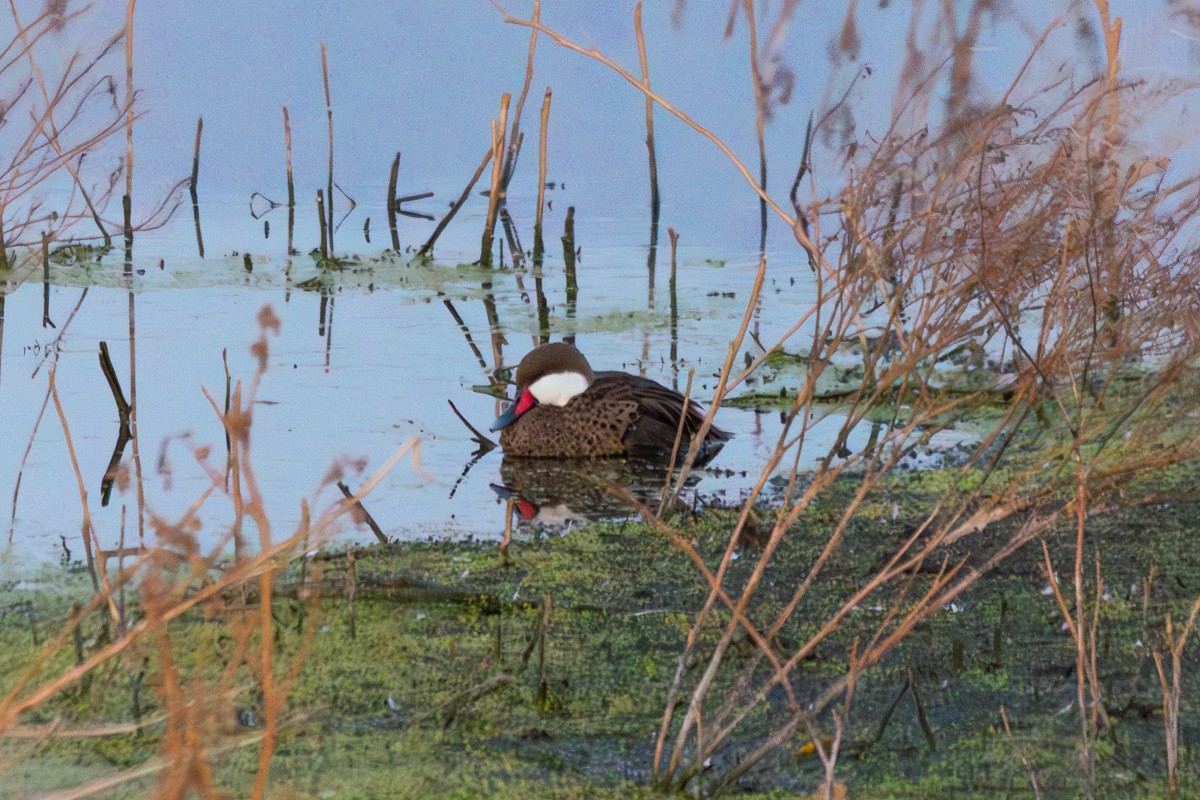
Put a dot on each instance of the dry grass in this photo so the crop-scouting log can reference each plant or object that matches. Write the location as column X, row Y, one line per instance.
column 53, row 119
column 1023, row 237
column 175, row 577
column 1024, row 234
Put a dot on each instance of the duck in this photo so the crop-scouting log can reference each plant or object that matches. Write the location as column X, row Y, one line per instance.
column 564, row 409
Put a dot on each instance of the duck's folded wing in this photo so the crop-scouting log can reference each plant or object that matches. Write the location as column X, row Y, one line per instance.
column 658, row 410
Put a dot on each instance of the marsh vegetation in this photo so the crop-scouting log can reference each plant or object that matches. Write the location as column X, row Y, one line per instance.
column 947, row 551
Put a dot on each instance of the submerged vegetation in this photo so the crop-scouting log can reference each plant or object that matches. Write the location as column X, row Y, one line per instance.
column 1016, row 622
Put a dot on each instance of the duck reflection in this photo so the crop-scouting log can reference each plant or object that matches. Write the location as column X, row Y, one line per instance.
column 557, row 494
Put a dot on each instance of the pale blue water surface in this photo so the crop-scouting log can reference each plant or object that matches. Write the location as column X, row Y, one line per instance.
column 424, row 79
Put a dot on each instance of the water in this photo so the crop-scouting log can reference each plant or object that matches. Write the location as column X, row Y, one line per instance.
column 370, row 362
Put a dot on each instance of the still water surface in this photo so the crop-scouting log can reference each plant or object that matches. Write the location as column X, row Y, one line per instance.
column 371, row 360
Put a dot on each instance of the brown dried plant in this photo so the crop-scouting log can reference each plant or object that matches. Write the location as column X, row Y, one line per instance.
column 55, row 125
column 207, row 704
column 50, row 123
column 1170, row 680
column 1017, row 252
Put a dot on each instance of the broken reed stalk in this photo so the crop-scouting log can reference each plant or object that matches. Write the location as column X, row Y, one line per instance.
column 196, row 160
column 87, row 199
column 46, row 321
column 466, row 331
column 192, row 186
column 393, row 178
column 329, row 116
column 539, row 246
column 427, row 248
column 291, row 185
column 543, row 305
column 359, row 508
column 655, row 202
column 673, row 296
column 568, row 243
column 228, row 442
column 760, row 116
column 323, row 225
column 480, row 439
column 124, row 430
column 127, row 199
column 495, row 193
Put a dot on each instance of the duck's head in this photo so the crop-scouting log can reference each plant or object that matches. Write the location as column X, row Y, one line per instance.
column 552, row 373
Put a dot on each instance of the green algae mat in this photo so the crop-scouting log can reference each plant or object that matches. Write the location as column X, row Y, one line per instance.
column 443, row 669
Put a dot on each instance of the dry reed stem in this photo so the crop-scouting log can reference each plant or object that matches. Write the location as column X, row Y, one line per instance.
column 833, row 621
column 538, row 244
column 37, row 423
column 681, row 542
column 494, row 195
column 760, row 113
column 655, row 201
column 329, row 175
column 129, row 95
column 1082, row 673
column 1172, row 691
column 135, row 440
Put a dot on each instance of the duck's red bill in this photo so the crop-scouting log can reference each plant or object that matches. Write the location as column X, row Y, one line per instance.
column 515, row 409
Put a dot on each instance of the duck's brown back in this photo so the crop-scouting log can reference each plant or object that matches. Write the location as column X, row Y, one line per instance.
column 619, row 413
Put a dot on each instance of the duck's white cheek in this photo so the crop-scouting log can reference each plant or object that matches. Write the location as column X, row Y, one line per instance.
column 558, row 388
